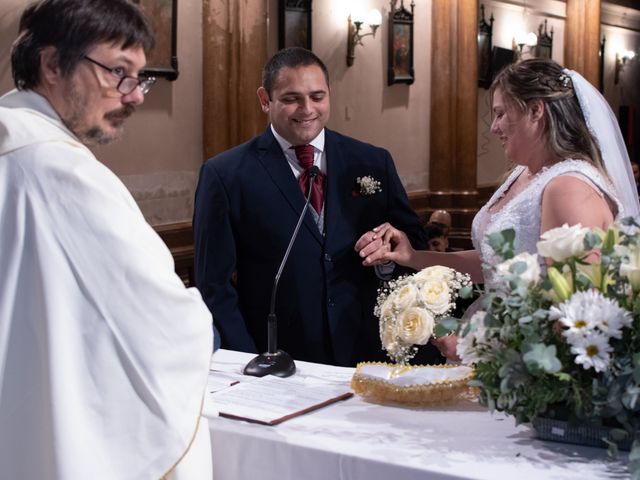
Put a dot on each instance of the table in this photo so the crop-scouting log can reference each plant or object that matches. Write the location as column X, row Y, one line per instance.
column 357, row 440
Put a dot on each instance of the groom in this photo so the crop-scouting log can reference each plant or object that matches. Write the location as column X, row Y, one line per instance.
column 247, row 204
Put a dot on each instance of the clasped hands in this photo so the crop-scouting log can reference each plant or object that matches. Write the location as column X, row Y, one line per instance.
column 384, row 244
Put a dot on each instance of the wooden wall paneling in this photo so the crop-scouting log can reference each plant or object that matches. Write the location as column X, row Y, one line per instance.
column 454, row 79
column 466, row 154
column 234, row 52
column 179, row 239
column 443, row 82
column 582, row 38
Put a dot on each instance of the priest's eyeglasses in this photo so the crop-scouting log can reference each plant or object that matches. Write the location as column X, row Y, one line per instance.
column 127, row 84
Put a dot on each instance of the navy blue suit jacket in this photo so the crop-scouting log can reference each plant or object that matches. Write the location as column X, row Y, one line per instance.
column 247, row 204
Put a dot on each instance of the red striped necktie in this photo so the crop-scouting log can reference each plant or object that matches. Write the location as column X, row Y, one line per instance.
column 305, row 154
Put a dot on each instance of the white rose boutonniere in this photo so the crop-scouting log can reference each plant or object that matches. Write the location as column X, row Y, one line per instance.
column 367, row 186
column 411, row 307
column 563, row 242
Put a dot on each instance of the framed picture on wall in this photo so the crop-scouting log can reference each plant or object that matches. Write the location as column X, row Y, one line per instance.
column 163, row 59
column 485, row 31
column 400, row 68
column 294, row 23
column 544, row 47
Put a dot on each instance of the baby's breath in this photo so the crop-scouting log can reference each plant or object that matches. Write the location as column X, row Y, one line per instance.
column 368, row 185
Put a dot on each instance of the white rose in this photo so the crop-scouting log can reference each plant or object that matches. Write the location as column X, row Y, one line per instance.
column 437, row 272
column 436, row 296
column 415, row 326
column 630, row 267
column 563, row 242
column 405, row 297
column 530, row 276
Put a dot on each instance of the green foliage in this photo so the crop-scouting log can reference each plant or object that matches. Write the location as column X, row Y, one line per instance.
column 502, row 242
column 446, row 326
column 525, row 364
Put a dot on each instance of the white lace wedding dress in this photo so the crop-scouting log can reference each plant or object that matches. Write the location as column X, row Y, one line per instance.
column 522, row 212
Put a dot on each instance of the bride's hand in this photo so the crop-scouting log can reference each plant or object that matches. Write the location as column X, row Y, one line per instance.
column 447, row 347
column 385, row 244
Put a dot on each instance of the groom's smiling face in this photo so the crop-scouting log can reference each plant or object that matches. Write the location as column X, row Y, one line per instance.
column 299, row 104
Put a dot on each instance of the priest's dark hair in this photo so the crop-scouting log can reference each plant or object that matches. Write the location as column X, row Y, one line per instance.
column 73, row 27
column 292, row 57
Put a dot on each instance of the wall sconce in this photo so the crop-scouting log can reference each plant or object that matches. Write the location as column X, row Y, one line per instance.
column 621, row 60
column 355, row 37
column 524, row 40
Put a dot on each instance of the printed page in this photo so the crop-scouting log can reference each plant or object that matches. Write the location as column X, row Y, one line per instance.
column 271, row 400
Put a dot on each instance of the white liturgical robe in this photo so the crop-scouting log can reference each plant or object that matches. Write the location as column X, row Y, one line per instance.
column 104, row 354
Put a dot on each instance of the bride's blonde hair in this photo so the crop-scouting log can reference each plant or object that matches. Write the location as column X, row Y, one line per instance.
column 564, row 123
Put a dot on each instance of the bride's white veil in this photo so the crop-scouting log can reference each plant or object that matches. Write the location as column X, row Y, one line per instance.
column 603, row 125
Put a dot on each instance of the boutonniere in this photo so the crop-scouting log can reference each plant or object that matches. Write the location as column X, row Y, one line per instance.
column 366, row 185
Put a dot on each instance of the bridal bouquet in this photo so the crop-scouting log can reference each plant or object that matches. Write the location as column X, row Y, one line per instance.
column 564, row 344
column 413, row 308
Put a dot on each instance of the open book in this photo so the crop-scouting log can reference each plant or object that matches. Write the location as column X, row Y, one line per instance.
column 271, row 400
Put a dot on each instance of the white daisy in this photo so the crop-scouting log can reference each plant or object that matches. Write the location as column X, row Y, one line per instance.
column 589, row 311
column 592, row 351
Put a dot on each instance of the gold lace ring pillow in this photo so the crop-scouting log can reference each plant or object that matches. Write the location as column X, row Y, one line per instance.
column 409, row 385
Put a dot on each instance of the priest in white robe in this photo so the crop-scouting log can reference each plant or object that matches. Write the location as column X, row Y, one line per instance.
column 104, row 354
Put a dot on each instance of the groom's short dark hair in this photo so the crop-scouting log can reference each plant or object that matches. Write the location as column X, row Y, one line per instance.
column 292, row 57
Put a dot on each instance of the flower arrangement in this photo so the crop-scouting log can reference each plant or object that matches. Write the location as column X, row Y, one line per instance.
column 565, row 344
column 368, row 185
column 415, row 307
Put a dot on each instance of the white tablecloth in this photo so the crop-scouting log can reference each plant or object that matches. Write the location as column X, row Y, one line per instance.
column 357, row 440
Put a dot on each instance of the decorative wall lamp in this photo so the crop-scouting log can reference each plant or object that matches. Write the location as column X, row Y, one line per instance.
column 622, row 58
column 356, row 20
column 522, row 40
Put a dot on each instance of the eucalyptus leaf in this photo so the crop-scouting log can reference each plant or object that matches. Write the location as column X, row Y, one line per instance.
column 441, row 331
column 541, row 357
column 591, row 241
column 518, row 268
column 466, row 292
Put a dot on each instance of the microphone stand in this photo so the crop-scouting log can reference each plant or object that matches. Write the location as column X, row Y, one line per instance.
column 273, row 361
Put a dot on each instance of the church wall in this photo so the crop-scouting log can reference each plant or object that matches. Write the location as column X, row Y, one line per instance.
column 509, row 19
column 161, row 151
column 395, row 117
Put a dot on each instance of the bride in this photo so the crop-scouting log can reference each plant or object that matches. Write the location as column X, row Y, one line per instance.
column 571, row 167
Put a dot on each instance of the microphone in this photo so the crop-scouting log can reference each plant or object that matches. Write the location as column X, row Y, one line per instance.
column 273, row 361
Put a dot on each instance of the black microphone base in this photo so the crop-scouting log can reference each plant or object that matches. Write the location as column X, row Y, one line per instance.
column 279, row 364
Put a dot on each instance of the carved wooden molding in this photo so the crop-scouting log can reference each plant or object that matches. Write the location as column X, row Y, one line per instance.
column 234, row 45
column 582, row 38
column 454, row 91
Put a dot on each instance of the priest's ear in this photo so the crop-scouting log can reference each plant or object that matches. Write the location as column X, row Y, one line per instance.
column 263, row 96
column 50, row 72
